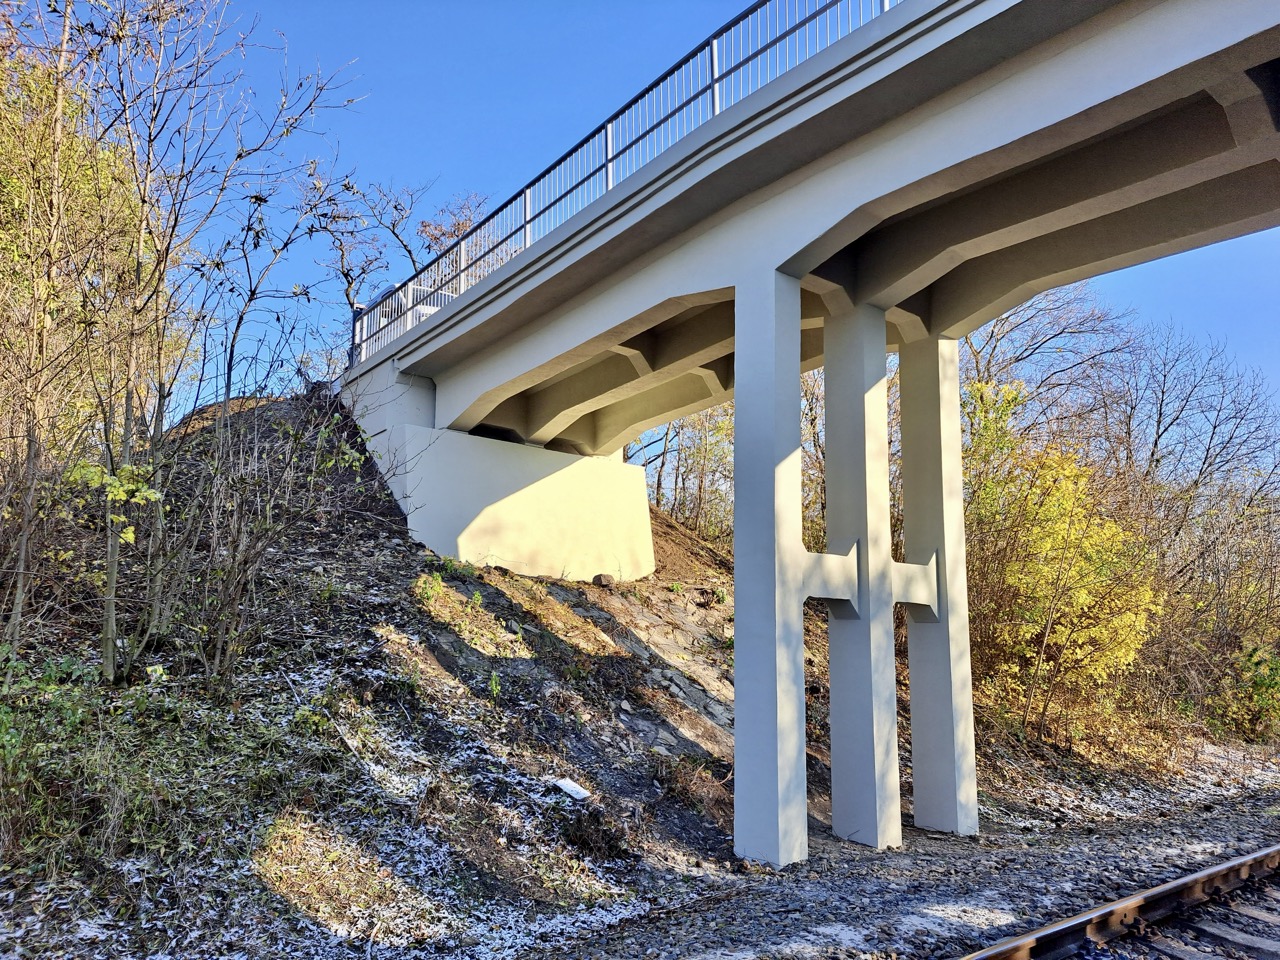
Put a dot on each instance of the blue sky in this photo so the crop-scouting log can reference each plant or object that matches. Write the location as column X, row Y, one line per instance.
column 481, row 96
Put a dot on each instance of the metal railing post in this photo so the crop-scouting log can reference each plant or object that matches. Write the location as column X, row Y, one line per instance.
column 608, row 155
column 528, row 219
column 462, row 265
column 715, row 76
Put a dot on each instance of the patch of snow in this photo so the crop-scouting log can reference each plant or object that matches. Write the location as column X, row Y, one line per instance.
column 979, row 915
column 505, row 933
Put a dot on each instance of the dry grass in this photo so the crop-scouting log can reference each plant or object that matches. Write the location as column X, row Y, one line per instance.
column 332, row 880
column 467, row 616
column 695, row 782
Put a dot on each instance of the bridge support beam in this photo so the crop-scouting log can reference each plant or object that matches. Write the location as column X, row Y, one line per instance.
column 858, row 577
column 774, row 574
column 865, row 804
column 770, row 815
column 945, row 789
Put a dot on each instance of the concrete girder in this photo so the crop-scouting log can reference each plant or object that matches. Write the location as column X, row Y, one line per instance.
column 1070, row 128
column 469, row 391
column 697, row 390
column 1251, row 100
column 982, row 289
column 704, row 337
column 562, row 412
column 660, row 355
column 1166, row 153
column 551, row 409
column 607, row 430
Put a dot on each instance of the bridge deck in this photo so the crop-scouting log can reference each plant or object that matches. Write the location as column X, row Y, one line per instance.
column 759, row 45
column 1172, row 146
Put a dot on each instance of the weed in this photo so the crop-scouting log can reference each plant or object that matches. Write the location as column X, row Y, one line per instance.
column 576, row 671
column 719, row 595
column 458, row 568
column 676, row 587
column 90, row 773
column 697, row 784
column 476, row 601
column 310, row 721
column 427, row 587
column 324, row 593
column 495, row 686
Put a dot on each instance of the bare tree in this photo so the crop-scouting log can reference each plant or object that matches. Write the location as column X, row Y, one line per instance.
column 163, row 199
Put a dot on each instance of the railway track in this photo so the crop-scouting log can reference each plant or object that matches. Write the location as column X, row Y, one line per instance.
column 1228, row 910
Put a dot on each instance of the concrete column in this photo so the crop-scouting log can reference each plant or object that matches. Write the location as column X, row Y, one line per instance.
column 770, row 817
column 865, row 804
column 943, row 769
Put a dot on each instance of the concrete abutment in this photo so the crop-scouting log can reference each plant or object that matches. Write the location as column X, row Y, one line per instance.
column 484, row 501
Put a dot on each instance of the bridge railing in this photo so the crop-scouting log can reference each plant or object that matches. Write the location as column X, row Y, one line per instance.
column 756, row 47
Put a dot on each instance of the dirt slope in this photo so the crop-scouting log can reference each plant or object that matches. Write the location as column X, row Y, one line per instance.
column 382, row 780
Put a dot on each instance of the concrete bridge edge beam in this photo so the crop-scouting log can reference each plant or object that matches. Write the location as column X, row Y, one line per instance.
column 944, row 771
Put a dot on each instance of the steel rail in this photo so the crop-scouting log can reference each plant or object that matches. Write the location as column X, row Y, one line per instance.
column 678, row 100
column 1129, row 914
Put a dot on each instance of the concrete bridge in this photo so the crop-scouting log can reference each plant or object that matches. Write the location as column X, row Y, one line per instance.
column 816, row 184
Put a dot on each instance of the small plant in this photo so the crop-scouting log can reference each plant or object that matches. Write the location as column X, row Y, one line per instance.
column 719, row 595
column 457, row 568
column 307, row 720
column 476, row 601
column 495, row 686
column 324, row 593
column 427, row 587
column 676, row 587
column 576, row 671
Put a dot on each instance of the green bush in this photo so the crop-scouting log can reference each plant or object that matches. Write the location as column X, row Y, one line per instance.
column 1249, row 704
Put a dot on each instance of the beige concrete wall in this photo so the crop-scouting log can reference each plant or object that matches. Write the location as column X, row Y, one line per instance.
column 530, row 510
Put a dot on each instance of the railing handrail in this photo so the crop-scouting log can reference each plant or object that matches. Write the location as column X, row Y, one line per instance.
column 612, row 153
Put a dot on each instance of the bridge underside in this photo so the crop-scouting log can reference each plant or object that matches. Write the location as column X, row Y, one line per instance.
column 897, row 194
column 1194, row 172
